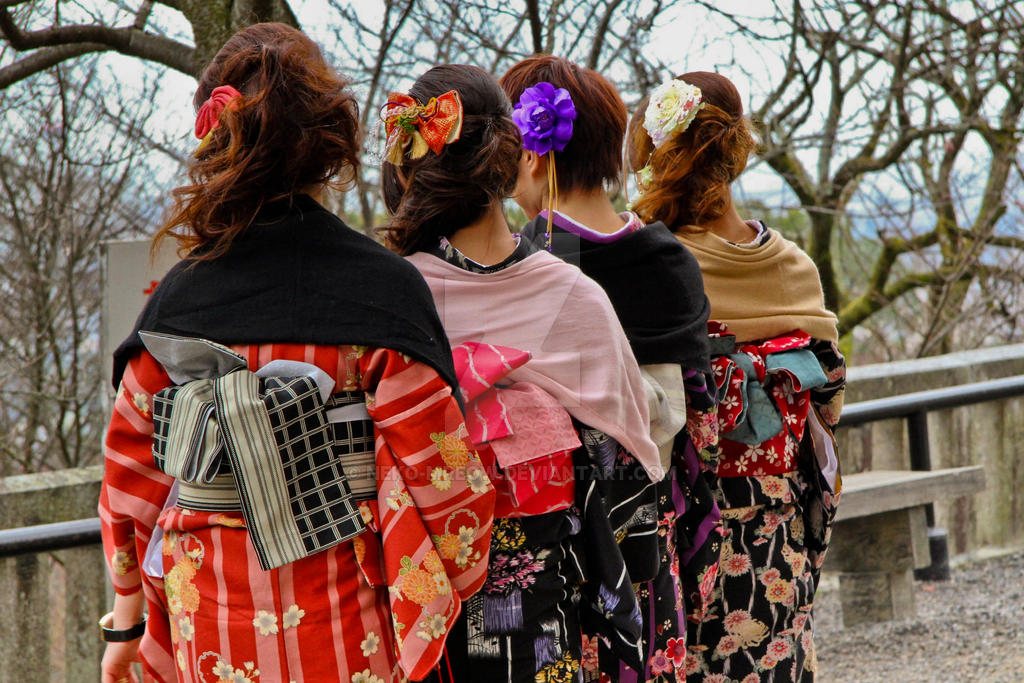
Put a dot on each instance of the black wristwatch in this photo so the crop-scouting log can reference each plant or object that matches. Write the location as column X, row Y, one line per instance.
column 112, row 635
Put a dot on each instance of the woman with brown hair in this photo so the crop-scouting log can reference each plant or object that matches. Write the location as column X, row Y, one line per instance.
column 655, row 286
column 282, row 407
column 778, row 375
column 551, row 385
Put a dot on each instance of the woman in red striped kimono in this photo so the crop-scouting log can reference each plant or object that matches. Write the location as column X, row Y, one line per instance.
column 274, row 276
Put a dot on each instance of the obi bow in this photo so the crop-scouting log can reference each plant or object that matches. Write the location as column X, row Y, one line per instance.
column 518, row 425
column 419, row 127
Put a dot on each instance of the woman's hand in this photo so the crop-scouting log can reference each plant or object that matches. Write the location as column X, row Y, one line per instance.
column 117, row 662
column 118, row 657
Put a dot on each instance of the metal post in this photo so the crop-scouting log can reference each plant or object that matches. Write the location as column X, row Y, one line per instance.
column 921, row 460
column 920, row 453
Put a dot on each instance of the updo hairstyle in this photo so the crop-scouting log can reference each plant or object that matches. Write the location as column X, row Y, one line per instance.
column 437, row 194
column 691, row 171
column 294, row 128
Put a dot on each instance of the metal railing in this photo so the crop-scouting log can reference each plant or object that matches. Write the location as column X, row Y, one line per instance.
column 914, row 407
column 43, row 538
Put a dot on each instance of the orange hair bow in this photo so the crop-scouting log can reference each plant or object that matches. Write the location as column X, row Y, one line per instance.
column 417, row 127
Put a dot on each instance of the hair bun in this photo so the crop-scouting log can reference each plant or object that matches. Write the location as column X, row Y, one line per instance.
column 692, row 170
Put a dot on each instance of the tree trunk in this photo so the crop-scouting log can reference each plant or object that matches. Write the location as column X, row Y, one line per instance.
column 214, row 21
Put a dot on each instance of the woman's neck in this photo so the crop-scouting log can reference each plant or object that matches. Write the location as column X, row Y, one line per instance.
column 729, row 226
column 486, row 241
column 593, row 209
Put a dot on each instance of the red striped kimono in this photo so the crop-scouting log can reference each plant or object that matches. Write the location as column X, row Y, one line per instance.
column 373, row 609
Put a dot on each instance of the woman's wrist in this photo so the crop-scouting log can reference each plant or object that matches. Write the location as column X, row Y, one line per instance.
column 127, row 611
column 121, row 635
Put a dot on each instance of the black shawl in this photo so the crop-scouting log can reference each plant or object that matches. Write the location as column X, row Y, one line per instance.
column 298, row 275
column 654, row 284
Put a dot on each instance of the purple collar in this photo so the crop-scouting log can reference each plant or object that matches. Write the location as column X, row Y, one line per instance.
column 633, row 223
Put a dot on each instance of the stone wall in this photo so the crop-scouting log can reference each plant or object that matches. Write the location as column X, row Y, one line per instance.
column 989, row 434
column 51, row 602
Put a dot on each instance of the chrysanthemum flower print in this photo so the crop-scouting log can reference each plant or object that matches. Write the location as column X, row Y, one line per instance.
column 441, row 479
column 453, row 449
column 780, row 591
column 182, row 595
column 780, row 648
column 418, row 586
column 751, row 632
column 692, row 664
column 726, row 646
column 770, row 576
column 121, row 562
column 736, row 618
column 736, row 564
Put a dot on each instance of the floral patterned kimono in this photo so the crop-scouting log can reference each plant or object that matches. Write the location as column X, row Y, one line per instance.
column 776, row 508
column 671, row 542
column 372, row 609
column 556, row 569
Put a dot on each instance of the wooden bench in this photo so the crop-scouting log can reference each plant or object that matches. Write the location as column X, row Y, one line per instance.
column 880, row 536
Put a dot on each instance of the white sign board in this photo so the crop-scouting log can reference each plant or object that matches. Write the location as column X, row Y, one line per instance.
column 128, row 279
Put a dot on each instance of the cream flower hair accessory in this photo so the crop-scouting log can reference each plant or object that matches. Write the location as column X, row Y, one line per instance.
column 672, row 109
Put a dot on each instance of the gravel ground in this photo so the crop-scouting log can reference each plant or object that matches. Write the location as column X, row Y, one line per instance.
column 967, row 629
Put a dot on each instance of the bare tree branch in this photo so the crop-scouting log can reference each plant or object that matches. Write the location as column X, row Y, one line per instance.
column 41, row 60
column 127, row 40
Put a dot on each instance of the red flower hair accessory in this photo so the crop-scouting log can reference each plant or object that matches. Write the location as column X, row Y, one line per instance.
column 417, row 127
column 208, row 118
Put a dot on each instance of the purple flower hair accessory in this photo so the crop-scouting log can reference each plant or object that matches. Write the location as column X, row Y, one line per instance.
column 544, row 115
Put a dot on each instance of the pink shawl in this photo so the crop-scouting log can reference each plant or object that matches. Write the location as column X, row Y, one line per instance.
column 579, row 353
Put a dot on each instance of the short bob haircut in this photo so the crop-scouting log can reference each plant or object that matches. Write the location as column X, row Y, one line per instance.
column 593, row 158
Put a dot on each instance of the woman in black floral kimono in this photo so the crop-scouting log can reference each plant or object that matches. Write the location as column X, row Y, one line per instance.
column 546, row 408
column 778, row 377
column 654, row 283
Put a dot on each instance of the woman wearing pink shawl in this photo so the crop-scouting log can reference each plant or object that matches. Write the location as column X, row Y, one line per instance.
column 551, row 386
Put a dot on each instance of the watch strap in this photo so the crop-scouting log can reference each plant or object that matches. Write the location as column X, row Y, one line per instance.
column 113, row 635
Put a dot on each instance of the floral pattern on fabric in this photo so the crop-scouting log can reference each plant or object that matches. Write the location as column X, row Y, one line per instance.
column 759, row 624
column 777, row 454
column 550, row 577
column 776, row 518
column 330, row 616
column 524, row 625
column 661, row 609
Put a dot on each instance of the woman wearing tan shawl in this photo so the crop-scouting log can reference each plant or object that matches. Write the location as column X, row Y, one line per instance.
column 779, row 377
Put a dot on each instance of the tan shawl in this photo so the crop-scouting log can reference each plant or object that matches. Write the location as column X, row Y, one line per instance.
column 764, row 291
